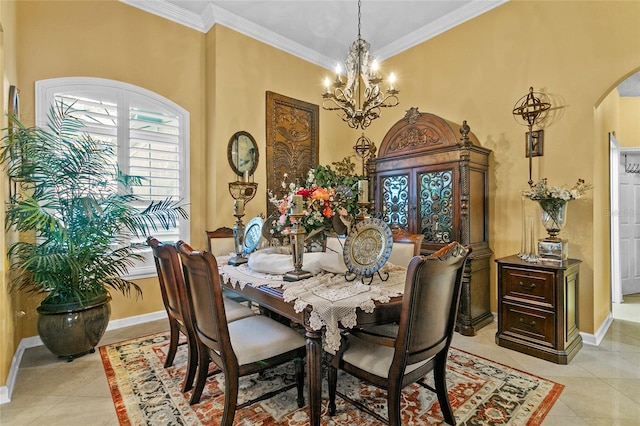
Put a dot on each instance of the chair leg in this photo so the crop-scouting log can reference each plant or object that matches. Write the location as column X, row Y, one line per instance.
column 439, row 376
column 201, row 378
column 394, row 392
column 173, row 342
column 192, row 362
column 231, row 386
column 332, row 378
column 299, row 363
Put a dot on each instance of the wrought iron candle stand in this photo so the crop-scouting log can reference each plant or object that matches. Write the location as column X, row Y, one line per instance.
column 242, row 193
column 296, row 234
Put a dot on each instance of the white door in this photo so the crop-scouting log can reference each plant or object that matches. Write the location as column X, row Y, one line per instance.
column 629, row 215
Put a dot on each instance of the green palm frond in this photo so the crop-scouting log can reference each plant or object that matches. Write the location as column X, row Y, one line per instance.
column 73, row 208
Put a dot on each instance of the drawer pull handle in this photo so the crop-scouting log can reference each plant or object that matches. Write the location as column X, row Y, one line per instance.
column 530, row 324
column 529, row 287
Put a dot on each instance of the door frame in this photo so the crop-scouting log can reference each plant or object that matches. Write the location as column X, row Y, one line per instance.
column 614, row 211
column 615, row 153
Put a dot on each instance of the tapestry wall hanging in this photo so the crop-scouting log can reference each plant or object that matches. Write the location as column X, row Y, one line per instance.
column 292, row 142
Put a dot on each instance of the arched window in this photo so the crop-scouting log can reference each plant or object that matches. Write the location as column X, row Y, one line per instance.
column 151, row 134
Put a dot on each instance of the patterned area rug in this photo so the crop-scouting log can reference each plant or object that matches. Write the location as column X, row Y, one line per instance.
column 482, row 392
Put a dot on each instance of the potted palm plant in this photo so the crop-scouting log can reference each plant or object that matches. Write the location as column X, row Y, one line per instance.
column 74, row 211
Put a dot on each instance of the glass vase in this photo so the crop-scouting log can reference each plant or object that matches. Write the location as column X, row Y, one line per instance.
column 553, row 212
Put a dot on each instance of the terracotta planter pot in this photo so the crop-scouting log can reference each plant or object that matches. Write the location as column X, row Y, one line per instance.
column 71, row 330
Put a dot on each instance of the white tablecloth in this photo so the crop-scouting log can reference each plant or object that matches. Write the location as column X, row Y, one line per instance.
column 333, row 299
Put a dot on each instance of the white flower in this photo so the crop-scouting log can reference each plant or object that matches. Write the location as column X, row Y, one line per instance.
column 540, row 191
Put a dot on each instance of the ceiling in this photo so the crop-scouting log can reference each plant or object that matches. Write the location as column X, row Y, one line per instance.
column 321, row 31
column 630, row 88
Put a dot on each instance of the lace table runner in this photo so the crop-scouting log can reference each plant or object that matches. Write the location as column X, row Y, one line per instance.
column 333, row 299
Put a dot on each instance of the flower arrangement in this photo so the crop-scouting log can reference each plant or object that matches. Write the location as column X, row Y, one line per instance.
column 553, row 201
column 325, row 193
column 540, row 191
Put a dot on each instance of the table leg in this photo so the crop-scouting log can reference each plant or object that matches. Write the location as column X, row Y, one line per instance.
column 314, row 373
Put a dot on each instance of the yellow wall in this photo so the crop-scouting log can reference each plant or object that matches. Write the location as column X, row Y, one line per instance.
column 575, row 51
column 111, row 40
column 244, row 71
column 628, row 133
column 8, row 338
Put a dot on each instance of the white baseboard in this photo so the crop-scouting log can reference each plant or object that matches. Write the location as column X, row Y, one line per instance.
column 595, row 339
column 30, row 342
column 138, row 319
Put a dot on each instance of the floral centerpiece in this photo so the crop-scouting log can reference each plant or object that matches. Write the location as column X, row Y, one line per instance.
column 326, row 192
column 553, row 202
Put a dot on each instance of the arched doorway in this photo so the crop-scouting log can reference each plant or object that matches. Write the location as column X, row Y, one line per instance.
column 624, row 148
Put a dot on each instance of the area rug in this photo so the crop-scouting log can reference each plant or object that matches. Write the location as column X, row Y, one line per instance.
column 482, row 392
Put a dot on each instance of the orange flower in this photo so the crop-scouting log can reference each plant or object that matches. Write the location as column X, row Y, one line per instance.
column 320, row 194
column 327, row 211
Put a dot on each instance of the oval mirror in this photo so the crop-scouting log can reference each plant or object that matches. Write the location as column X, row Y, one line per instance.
column 243, row 153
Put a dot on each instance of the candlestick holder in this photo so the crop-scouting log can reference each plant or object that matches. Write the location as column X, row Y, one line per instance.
column 296, row 235
column 238, row 240
column 242, row 193
column 363, row 213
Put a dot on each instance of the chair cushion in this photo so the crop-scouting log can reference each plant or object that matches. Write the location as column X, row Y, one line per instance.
column 258, row 338
column 235, row 310
column 401, row 254
column 375, row 359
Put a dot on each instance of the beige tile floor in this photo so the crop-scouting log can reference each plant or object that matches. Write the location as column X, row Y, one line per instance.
column 602, row 383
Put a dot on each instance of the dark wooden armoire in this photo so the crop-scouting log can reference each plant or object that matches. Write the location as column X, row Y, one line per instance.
column 431, row 178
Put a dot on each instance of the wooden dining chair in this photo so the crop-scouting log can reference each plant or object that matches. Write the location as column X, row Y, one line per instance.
column 392, row 357
column 246, row 346
column 179, row 311
column 405, row 246
column 220, row 242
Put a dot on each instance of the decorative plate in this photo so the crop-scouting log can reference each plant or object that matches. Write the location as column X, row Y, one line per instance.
column 367, row 247
column 252, row 234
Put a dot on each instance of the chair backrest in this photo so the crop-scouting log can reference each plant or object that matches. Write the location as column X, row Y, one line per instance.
column 205, row 292
column 405, row 246
column 220, row 241
column 170, row 277
column 430, row 304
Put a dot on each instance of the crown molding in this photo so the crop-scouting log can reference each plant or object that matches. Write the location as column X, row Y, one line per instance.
column 216, row 15
column 260, row 33
column 451, row 20
column 171, row 12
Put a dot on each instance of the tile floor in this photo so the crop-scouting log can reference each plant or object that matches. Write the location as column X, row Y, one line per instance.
column 602, row 383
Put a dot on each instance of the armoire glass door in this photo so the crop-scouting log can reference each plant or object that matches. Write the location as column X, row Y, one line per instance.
column 394, row 199
column 436, row 207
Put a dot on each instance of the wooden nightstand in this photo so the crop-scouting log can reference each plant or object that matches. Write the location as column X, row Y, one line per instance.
column 538, row 308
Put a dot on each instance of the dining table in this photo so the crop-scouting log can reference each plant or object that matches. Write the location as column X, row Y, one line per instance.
column 323, row 305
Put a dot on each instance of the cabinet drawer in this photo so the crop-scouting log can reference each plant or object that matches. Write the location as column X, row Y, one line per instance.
column 527, row 323
column 531, row 286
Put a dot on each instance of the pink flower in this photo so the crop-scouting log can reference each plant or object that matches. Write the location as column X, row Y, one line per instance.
column 283, row 208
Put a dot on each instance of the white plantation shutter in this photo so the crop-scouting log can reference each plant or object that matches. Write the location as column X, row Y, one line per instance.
column 150, row 134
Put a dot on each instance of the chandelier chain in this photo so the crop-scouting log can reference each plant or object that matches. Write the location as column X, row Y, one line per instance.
column 359, row 18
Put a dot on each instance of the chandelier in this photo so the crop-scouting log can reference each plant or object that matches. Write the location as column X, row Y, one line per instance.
column 359, row 107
